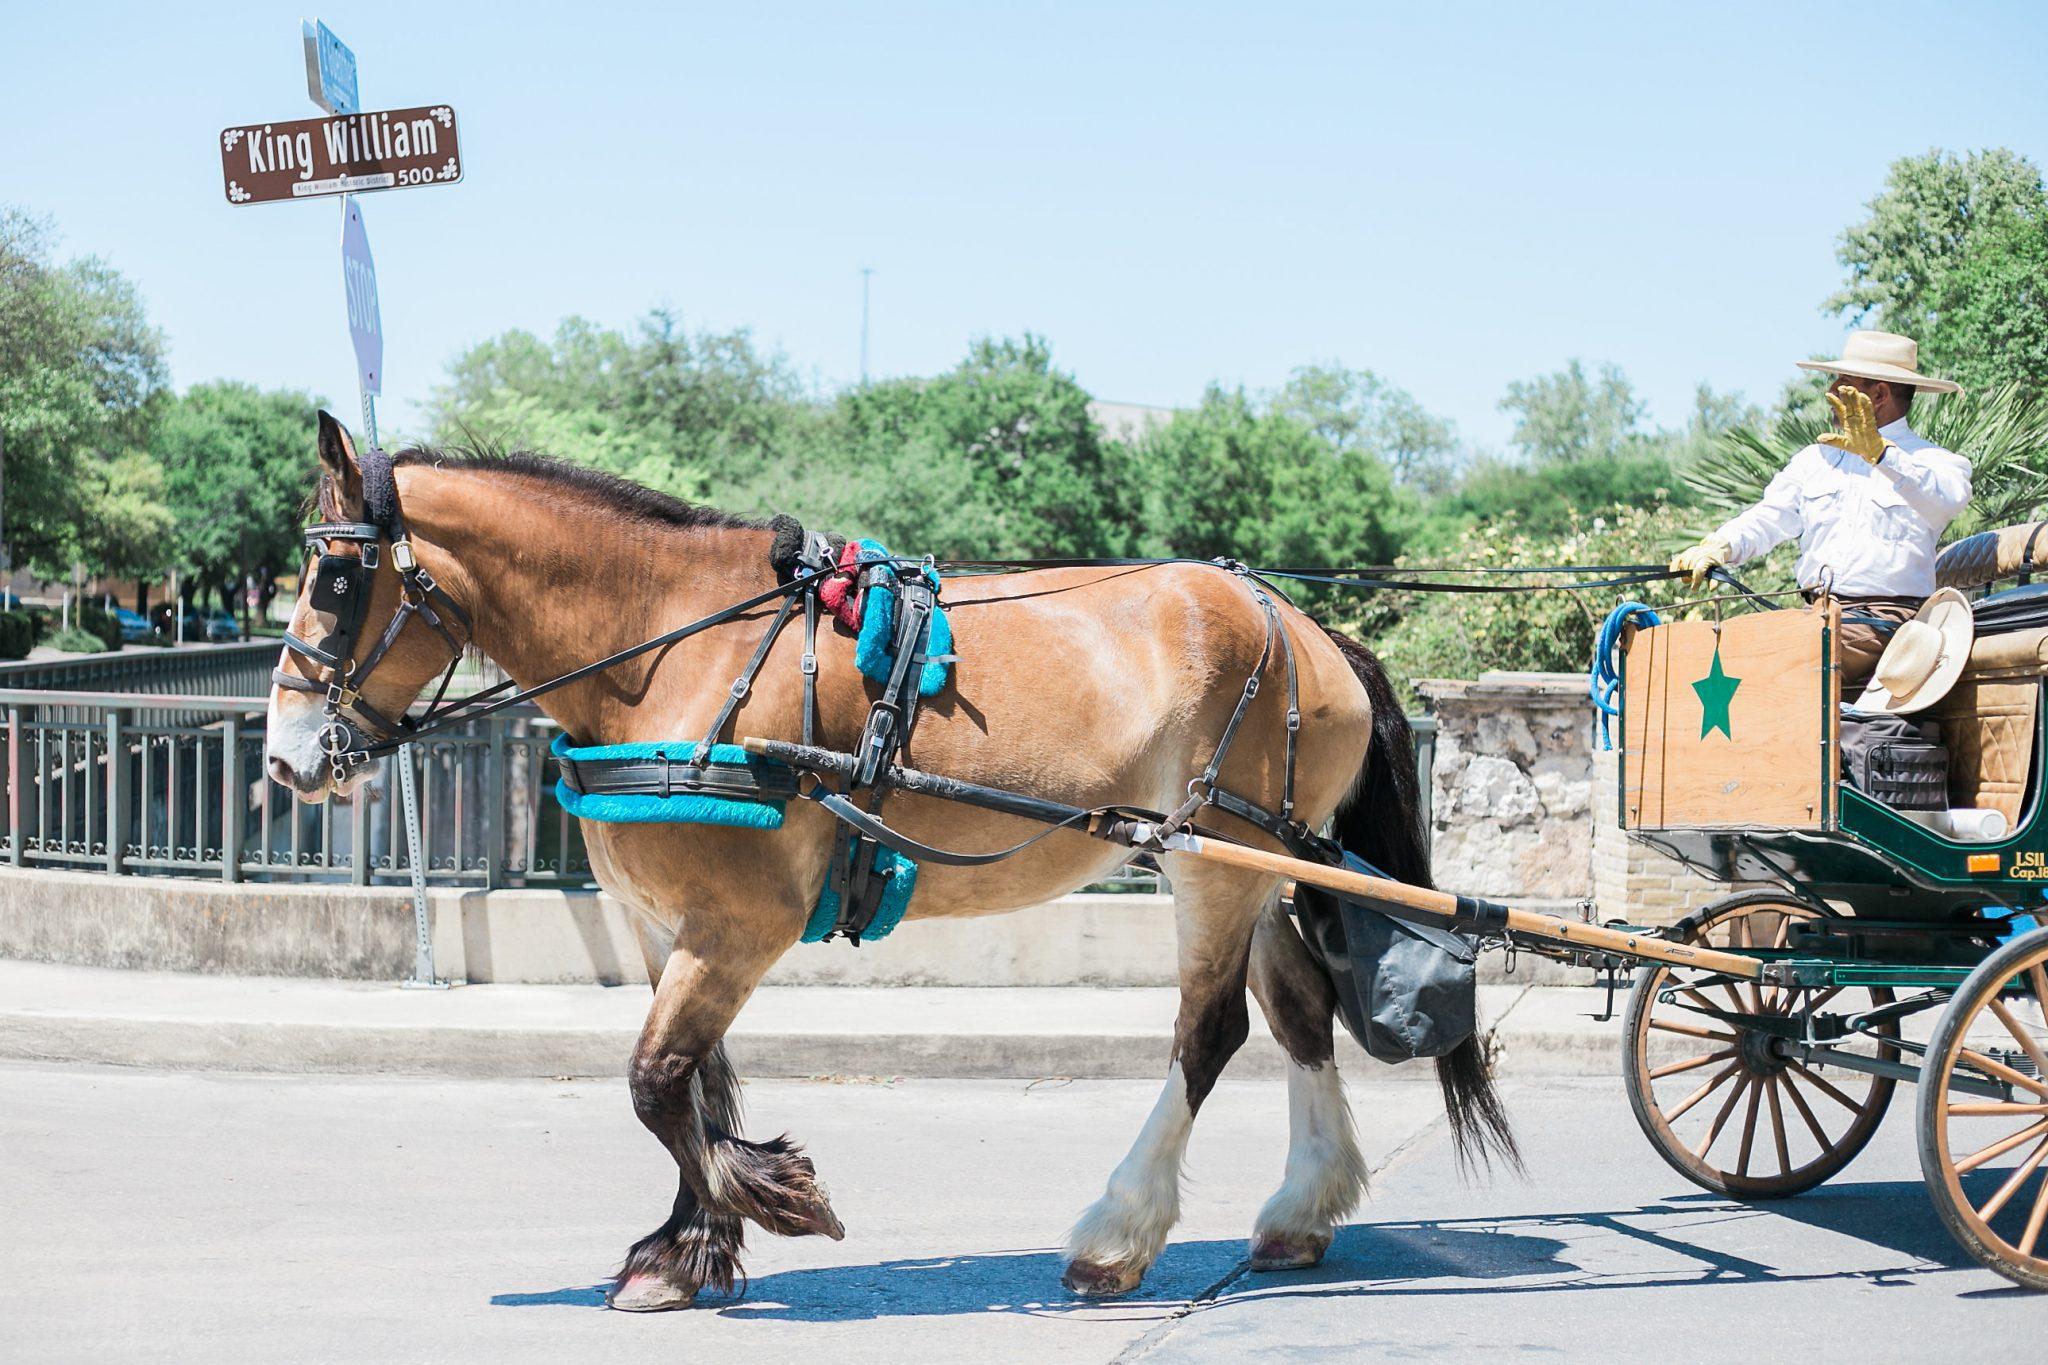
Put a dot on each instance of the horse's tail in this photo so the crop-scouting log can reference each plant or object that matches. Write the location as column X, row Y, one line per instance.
column 1381, row 822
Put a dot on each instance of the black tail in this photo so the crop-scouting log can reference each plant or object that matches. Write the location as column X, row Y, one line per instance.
column 1382, row 823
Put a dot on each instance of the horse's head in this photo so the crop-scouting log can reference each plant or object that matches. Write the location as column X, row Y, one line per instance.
column 370, row 630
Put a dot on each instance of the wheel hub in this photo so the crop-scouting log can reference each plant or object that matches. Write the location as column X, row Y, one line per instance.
column 1759, row 1052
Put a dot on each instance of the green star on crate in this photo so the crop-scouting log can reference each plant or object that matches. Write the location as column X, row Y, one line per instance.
column 1716, row 691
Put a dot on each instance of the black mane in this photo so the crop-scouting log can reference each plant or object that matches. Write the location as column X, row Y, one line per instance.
column 609, row 491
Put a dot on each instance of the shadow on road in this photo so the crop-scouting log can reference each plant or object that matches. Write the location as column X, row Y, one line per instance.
column 1667, row 1244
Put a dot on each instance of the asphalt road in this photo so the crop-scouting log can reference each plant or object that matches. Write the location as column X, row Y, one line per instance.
column 168, row 1216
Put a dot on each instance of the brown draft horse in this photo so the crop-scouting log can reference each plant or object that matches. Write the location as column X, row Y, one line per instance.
column 1090, row 686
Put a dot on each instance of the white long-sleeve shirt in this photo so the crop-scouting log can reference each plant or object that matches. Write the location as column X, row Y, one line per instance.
column 1869, row 530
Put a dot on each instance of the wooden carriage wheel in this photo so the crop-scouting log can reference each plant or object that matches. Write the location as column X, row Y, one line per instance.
column 1984, row 1158
column 1715, row 1100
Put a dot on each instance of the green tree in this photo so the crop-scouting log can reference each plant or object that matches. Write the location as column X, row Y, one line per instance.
column 997, row 457
column 1920, row 229
column 1355, row 411
column 685, row 412
column 1570, row 415
column 1232, row 479
column 237, row 463
column 81, row 372
column 1993, row 324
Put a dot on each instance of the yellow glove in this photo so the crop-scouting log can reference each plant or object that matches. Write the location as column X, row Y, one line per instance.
column 1858, row 423
column 1709, row 554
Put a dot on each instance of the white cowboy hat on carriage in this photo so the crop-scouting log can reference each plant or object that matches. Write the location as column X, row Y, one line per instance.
column 1882, row 355
column 1925, row 657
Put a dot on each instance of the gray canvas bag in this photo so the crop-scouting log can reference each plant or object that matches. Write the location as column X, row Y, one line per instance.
column 1404, row 990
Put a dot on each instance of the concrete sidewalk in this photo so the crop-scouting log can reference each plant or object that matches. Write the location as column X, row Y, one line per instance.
column 274, row 1024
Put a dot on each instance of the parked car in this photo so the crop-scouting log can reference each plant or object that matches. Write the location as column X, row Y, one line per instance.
column 134, row 627
column 221, row 626
column 194, row 627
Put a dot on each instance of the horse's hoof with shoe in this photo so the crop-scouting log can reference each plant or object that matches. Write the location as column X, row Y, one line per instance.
column 1093, row 1281
column 1295, row 1252
column 647, row 1294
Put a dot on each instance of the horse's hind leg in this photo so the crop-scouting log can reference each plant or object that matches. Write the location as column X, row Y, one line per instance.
column 1119, row 1237
column 1326, row 1172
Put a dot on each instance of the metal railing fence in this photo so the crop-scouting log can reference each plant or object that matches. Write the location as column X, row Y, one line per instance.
column 238, row 670
column 175, row 784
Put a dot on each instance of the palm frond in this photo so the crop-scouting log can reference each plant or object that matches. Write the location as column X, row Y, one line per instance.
column 2003, row 431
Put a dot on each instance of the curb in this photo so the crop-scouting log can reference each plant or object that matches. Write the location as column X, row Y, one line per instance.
column 80, row 1016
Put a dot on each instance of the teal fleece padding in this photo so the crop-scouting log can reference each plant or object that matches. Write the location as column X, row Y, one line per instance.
column 902, row 875
column 873, row 654
column 692, row 808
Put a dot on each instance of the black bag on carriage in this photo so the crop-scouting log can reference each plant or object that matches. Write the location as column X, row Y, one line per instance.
column 1896, row 760
column 1403, row 990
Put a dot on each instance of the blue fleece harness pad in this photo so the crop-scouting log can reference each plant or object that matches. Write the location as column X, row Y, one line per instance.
column 684, row 808
column 899, row 876
column 874, row 654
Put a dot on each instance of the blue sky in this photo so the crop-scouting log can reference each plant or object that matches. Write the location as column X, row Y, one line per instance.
column 1456, row 196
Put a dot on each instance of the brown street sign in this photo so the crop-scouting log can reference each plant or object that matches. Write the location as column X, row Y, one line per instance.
column 392, row 149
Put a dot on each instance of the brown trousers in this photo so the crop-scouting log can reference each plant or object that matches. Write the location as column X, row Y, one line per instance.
column 1859, row 644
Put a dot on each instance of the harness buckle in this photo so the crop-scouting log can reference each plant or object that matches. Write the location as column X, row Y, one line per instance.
column 339, row 695
column 1293, row 721
column 809, row 663
column 740, row 687
column 424, row 581
column 402, row 557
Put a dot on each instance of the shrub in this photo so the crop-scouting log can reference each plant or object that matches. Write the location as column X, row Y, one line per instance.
column 76, row 641
column 17, row 634
column 93, row 620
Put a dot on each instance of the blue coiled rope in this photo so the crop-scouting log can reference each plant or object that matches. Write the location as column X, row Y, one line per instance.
column 1604, row 679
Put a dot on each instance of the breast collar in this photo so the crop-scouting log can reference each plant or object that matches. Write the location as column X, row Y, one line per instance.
column 341, row 587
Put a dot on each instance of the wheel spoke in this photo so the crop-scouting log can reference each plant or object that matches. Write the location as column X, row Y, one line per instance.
column 2006, row 1073
column 1691, row 1064
column 2013, row 1182
column 1984, row 1108
column 1721, row 1119
column 1756, row 1095
column 2034, row 1221
column 1822, row 999
column 1691, row 1030
column 1837, row 1096
column 2028, row 1043
column 1686, row 1104
column 2000, row 1147
column 1820, row 1134
column 1778, row 1128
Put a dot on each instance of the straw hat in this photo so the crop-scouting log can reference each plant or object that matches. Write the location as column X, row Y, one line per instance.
column 1882, row 355
column 1925, row 657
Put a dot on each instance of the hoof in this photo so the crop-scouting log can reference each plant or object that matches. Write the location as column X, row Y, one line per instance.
column 1093, row 1281
column 820, row 1221
column 647, row 1294
column 1288, row 1253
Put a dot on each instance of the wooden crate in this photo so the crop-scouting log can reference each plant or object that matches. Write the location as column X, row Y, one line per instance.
column 1732, row 723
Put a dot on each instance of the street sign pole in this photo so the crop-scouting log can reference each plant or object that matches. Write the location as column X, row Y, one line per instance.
column 276, row 154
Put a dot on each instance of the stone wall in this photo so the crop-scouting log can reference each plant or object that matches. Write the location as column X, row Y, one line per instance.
column 1526, row 805
column 1512, row 801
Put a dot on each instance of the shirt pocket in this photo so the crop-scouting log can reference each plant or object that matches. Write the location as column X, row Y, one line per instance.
column 1891, row 519
column 1819, row 510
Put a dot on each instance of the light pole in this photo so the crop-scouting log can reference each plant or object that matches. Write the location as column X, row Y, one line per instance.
column 866, row 272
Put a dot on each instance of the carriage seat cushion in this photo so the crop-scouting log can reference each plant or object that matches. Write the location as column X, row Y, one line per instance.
column 1988, row 725
column 2019, row 651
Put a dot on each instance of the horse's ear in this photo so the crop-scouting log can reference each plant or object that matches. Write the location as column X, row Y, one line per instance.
column 345, row 476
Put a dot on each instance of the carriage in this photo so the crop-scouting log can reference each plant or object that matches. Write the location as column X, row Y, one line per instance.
column 1889, row 949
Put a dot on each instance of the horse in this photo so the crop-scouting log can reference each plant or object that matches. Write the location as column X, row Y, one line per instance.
column 1095, row 686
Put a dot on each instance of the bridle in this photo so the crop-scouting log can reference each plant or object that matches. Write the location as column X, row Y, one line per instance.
column 355, row 731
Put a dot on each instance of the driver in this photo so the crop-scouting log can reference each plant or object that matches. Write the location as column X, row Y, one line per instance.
column 1867, row 501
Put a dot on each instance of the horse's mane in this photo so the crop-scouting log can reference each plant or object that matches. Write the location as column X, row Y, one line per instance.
column 608, row 491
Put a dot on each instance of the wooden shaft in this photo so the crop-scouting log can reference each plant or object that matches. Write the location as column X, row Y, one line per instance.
column 1443, row 907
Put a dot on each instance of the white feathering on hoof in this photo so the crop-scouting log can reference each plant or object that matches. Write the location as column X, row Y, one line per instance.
column 1326, row 1171
column 1127, row 1227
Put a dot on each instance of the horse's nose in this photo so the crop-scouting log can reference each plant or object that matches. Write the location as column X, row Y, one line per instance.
column 282, row 774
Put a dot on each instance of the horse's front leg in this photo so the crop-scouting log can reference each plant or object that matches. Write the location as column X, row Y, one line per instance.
column 687, row 1095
